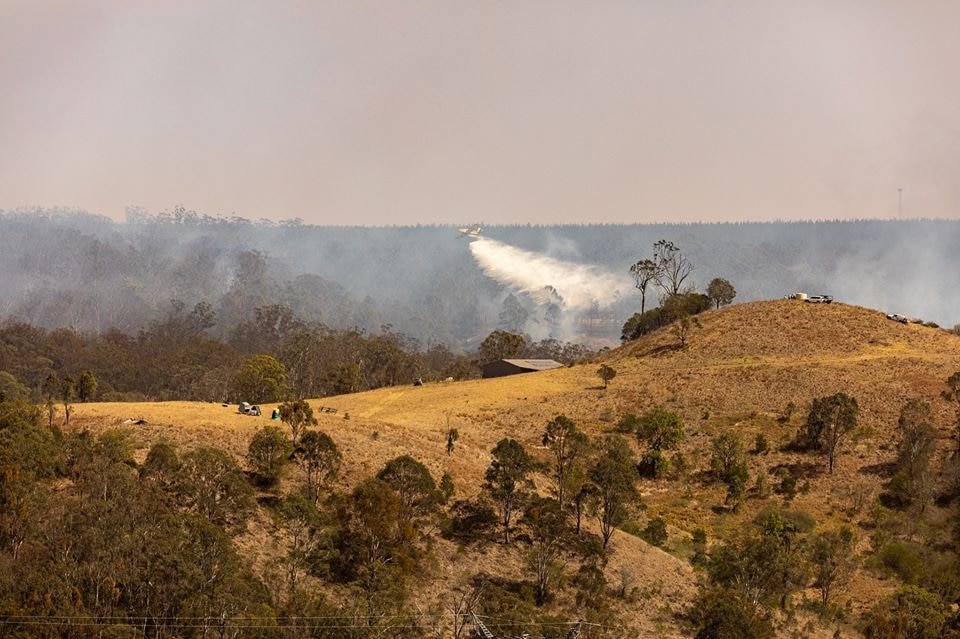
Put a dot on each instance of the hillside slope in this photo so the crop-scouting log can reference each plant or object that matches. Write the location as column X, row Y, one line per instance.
column 738, row 373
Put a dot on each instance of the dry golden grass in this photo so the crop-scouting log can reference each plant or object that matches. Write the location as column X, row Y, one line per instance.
column 738, row 373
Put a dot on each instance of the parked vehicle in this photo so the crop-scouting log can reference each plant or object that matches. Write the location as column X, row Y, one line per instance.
column 819, row 299
column 897, row 317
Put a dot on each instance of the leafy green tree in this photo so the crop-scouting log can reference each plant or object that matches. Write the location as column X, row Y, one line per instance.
column 729, row 464
column 829, row 421
column 414, row 485
column 11, row 390
column 606, row 373
column 212, row 485
column 568, row 446
column 506, row 480
column 297, row 415
column 614, row 488
column 375, row 543
column 764, row 565
column 911, row 613
column 260, row 379
column 728, row 456
column 501, row 345
column 721, row 292
column 318, row 456
column 660, row 429
column 86, row 386
column 831, row 555
column 162, row 466
column 722, row 613
column 913, row 482
column 268, row 452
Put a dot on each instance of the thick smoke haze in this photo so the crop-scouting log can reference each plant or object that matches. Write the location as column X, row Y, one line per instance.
column 65, row 268
column 578, row 285
column 544, row 111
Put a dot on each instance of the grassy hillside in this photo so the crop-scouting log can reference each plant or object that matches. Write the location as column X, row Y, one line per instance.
column 738, row 373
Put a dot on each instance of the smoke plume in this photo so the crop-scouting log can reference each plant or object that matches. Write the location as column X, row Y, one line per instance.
column 580, row 285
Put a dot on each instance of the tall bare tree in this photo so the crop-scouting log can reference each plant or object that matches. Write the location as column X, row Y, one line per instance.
column 673, row 267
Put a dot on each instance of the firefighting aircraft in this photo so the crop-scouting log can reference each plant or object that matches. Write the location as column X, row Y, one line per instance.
column 470, row 231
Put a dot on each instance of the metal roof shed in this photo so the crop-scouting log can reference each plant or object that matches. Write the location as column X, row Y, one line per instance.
column 504, row 367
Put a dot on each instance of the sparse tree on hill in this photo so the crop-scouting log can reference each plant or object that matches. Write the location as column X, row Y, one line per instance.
column 952, row 394
column 606, row 373
column 683, row 327
column 721, row 292
column 660, row 430
column 547, row 526
column 913, row 481
column 729, row 465
column 613, row 478
column 645, row 272
column 829, row 421
column 568, row 445
column 506, row 480
column 831, row 556
column 297, row 415
column 320, row 459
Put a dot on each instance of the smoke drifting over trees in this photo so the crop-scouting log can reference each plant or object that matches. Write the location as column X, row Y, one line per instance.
column 70, row 268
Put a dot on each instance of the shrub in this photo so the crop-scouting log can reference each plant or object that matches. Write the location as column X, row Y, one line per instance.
column 788, row 487
column 902, row 559
column 724, row 614
column 761, row 445
column 656, row 532
column 629, row 423
column 910, row 612
column 653, row 465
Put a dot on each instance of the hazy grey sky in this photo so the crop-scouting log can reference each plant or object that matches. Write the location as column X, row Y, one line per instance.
column 420, row 112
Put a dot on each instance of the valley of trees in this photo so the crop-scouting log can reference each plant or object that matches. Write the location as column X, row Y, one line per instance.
column 93, row 543
column 270, row 358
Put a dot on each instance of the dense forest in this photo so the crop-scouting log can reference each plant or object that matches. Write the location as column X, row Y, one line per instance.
column 74, row 269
